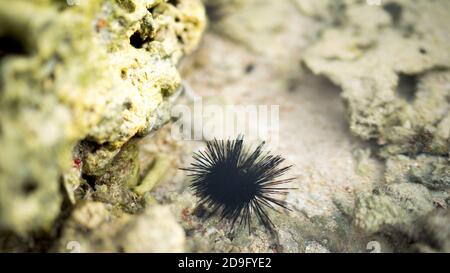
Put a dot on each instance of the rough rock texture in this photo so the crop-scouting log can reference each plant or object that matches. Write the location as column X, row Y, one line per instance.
column 92, row 226
column 392, row 62
column 257, row 24
column 313, row 133
column 392, row 205
column 114, row 186
column 430, row 171
column 432, row 233
column 96, row 71
column 76, row 98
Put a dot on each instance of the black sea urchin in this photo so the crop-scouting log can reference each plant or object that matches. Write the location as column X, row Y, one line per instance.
column 236, row 182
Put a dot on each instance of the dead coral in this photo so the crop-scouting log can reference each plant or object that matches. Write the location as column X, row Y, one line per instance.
column 95, row 72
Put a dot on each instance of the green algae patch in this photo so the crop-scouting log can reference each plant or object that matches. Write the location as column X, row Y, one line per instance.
column 77, row 82
column 49, row 100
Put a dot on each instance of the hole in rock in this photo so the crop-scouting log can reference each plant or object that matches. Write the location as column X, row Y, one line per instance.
column 407, row 86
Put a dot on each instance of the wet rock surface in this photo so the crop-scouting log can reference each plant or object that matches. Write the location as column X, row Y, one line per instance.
column 78, row 82
column 88, row 164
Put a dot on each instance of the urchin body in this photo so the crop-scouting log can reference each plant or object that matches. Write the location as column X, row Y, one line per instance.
column 237, row 182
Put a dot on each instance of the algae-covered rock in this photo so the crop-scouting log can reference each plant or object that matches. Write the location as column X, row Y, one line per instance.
column 430, row 171
column 89, row 222
column 95, row 71
column 82, row 81
column 156, row 230
column 394, row 205
column 432, row 233
column 114, row 185
column 92, row 226
column 391, row 62
column 50, row 98
column 267, row 27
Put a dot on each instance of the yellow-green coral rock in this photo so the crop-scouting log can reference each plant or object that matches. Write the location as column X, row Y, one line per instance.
column 80, row 70
column 397, row 205
column 387, row 59
column 95, row 227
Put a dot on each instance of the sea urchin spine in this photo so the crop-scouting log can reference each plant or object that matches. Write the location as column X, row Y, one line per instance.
column 237, row 182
